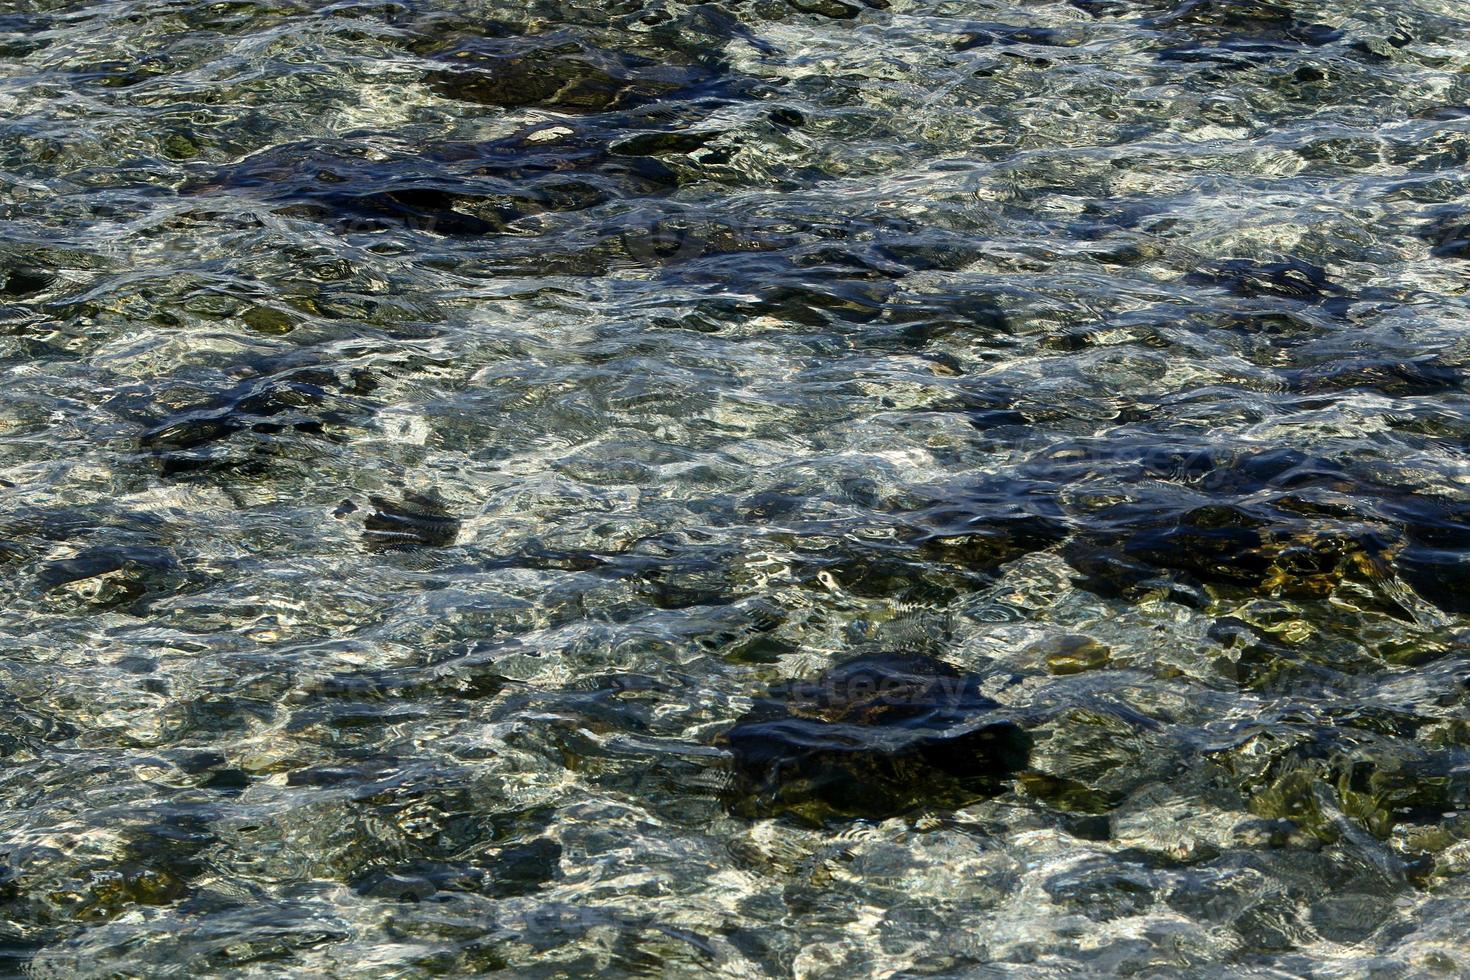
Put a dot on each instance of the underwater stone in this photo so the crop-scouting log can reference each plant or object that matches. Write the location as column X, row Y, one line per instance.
column 297, row 400
column 836, row 9
column 1073, row 654
column 109, row 576
column 1448, row 231
column 26, row 282
column 264, row 319
column 1400, row 378
column 420, row 521
column 1230, row 545
column 517, row 82
column 991, row 34
column 569, row 77
column 872, row 737
column 1293, row 279
column 520, row 869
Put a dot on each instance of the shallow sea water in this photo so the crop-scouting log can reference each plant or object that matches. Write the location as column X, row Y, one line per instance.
column 428, row 427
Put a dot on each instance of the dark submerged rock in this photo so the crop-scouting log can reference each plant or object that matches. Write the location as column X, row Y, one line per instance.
column 1292, row 279
column 457, row 190
column 1237, row 53
column 1004, row 34
column 1303, row 772
column 561, row 73
column 1231, row 544
column 872, row 737
column 1235, row 34
column 23, row 281
column 1279, row 522
column 1104, row 8
column 418, row 881
column 993, row 524
column 296, row 401
column 837, row 9
column 1270, row 550
column 1448, row 232
column 419, row 521
column 107, row 576
column 1401, row 378
column 521, row 869
column 429, row 209
column 1245, row 18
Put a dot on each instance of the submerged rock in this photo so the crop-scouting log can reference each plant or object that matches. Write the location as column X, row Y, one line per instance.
column 872, row 737
column 239, row 428
column 1279, row 522
column 993, row 523
column 560, row 73
column 986, row 35
column 1314, row 775
column 837, row 9
column 1073, row 654
column 1405, row 378
column 453, row 190
column 1252, row 19
column 1292, row 279
column 1448, row 233
column 104, row 577
column 23, row 281
column 1266, row 550
column 419, row 521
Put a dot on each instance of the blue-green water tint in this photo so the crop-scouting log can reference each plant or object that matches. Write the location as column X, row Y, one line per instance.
column 428, row 429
